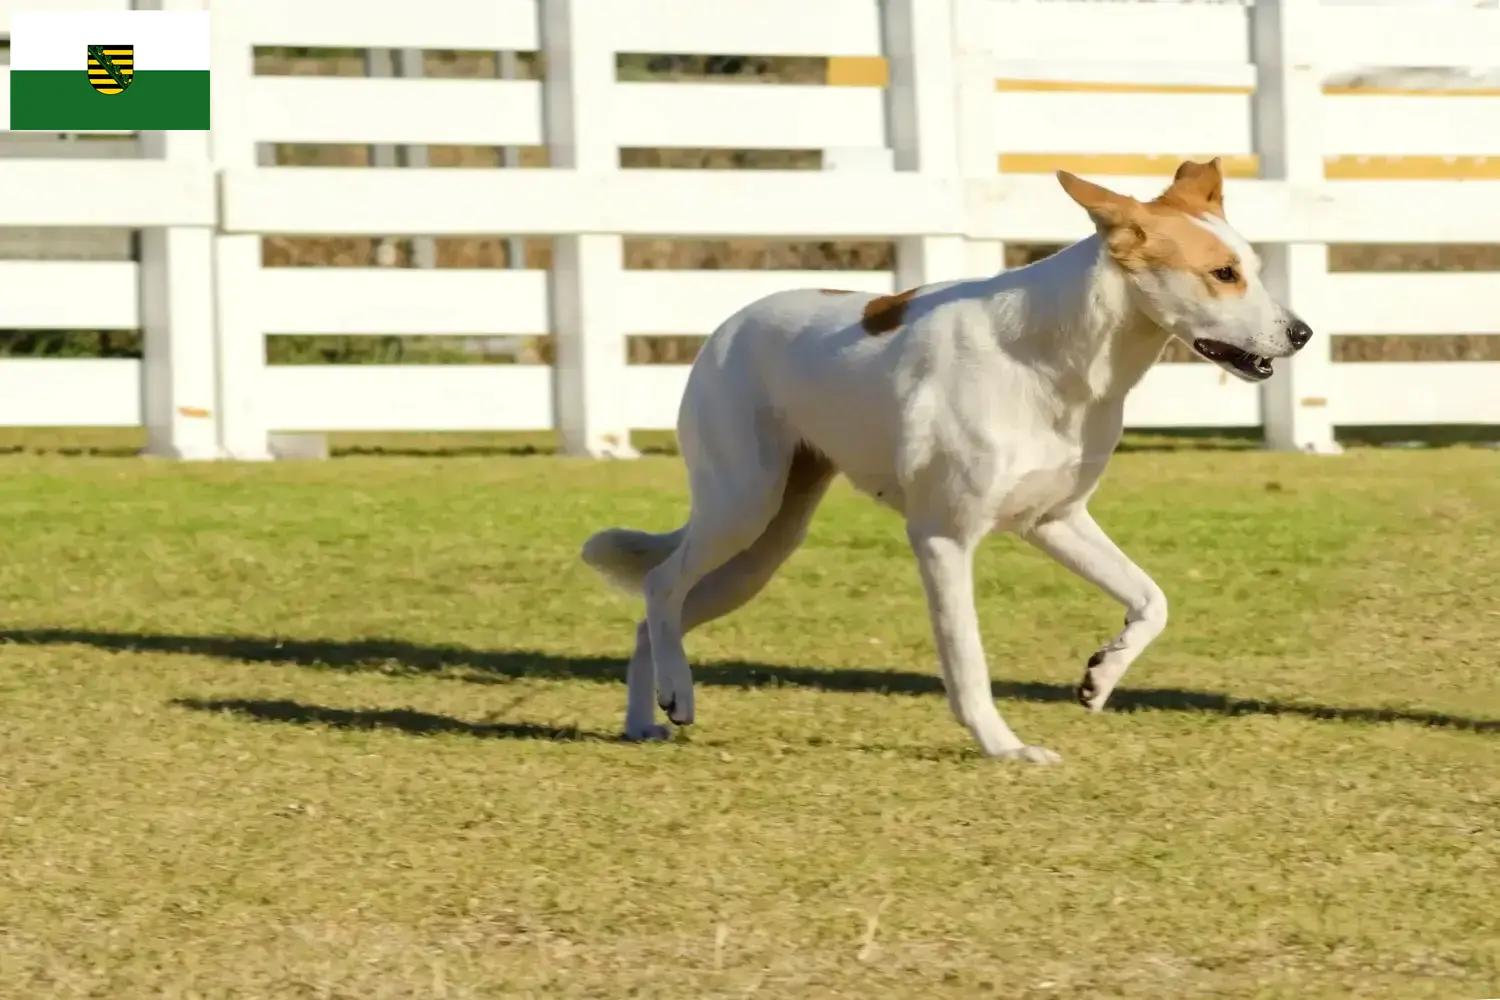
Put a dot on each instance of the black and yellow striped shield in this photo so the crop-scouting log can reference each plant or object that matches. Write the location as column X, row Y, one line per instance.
column 111, row 67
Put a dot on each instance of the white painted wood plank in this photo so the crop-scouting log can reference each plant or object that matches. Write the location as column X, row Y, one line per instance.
column 452, row 302
column 1411, row 126
column 70, row 392
column 475, row 25
column 1415, row 392
column 432, row 111
column 1422, row 35
column 408, row 397
column 1022, row 208
column 401, row 301
column 644, row 202
column 98, row 193
column 69, row 295
column 1163, row 73
column 655, row 396
column 695, row 302
column 1413, row 303
column 754, row 203
column 1191, row 395
column 751, row 27
column 717, row 115
column 1102, row 32
column 1087, row 122
column 1177, row 395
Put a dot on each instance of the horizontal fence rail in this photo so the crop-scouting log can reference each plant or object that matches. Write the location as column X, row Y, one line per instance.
column 938, row 128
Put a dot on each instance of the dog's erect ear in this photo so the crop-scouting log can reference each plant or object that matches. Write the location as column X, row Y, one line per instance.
column 1199, row 184
column 1112, row 212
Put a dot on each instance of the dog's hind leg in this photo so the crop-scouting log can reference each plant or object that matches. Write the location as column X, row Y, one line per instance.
column 640, row 691
column 946, row 563
column 735, row 496
column 1078, row 542
column 733, row 584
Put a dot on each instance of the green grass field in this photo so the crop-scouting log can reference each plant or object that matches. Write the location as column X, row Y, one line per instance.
column 347, row 730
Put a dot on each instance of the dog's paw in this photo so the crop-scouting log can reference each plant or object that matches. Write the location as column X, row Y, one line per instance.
column 1098, row 683
column 651, row 732
column 1031, row 755
column 678, row 706
column 1087, row 693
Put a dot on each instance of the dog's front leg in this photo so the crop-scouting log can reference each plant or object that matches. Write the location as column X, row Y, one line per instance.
column 1077, row 541
column 947, row 568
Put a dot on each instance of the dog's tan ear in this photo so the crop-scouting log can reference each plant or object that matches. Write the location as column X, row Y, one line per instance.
column 1110, row 210
column 1200, row 184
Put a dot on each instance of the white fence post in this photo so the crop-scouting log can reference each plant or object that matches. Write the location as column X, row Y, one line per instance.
column 921, row 124
column 589, row 370
column 178, row 381
column 241, row 342
column 1296, row 410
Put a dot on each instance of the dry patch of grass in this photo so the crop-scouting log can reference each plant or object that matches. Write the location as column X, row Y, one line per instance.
column 346, row 730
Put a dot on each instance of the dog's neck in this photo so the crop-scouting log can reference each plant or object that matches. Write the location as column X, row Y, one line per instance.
column 1072, row 317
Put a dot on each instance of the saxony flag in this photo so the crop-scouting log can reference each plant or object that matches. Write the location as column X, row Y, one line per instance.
column 87, row 71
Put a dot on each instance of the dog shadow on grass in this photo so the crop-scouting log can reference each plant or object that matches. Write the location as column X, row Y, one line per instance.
column 398, row 657
column 405, row 720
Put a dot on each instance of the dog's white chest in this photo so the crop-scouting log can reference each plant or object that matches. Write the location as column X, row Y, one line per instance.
column 1032, row 496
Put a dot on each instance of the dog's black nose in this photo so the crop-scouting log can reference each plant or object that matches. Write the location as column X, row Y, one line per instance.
column 1299, row 335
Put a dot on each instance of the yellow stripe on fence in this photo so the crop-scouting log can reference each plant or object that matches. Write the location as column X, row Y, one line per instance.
column 1339, row 168
column 872, row 71
column 1115, row 164
column 1411, row 168
column 1108, row 87
column 1345, row 90
column 858, row 71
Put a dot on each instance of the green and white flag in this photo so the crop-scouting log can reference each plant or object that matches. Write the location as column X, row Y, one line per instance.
column 94, row 71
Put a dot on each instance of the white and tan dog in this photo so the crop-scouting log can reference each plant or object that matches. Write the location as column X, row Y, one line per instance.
column 967, row 406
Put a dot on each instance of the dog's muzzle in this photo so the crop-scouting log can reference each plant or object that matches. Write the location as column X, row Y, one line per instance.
column 1252, row 367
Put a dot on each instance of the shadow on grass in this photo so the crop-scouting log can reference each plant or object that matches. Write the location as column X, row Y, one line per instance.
column 405, row 720
column 394, row 656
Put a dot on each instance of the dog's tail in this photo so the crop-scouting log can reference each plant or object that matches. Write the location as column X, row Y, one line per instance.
column 624, row 556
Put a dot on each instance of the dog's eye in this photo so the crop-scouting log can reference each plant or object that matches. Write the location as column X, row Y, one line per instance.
column 1226, row 275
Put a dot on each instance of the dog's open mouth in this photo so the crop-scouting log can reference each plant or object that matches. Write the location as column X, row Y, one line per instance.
column 1241, row 362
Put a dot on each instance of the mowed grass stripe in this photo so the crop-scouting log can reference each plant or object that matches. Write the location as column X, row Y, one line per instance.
column 346, row 729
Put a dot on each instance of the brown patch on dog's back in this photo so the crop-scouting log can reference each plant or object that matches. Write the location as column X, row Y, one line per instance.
column 886, row 313
column 834, row 291
column 810, row 468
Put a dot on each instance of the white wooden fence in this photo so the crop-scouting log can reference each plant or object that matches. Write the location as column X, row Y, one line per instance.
column 1200, row 79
